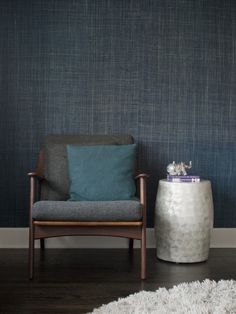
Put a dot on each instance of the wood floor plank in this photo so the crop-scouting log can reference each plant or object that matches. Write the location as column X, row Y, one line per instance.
column 76, row 281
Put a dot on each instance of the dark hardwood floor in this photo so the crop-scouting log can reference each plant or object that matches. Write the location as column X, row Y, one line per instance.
column 76, row 281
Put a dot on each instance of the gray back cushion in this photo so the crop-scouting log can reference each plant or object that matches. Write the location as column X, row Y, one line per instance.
column 56, row 186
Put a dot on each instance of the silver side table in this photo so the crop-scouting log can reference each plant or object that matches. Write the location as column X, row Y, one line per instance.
column 183, row 221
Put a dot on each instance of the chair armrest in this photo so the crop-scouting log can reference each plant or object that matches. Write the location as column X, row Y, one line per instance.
column 35, row 178
column 36, row 175
column 142, row 175
column 142, row 178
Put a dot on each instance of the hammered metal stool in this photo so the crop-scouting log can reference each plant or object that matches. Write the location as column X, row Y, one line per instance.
column 183, row 221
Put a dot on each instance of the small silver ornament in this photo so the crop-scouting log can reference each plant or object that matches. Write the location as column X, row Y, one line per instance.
column 178, row 169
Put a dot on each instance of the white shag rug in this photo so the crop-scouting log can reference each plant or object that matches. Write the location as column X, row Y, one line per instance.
column 207, row 297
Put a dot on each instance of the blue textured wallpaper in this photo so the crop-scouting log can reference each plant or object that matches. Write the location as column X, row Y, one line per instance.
column 163, row 71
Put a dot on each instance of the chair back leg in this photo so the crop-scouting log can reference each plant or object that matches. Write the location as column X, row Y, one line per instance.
column 131, row 244
column 42, row 244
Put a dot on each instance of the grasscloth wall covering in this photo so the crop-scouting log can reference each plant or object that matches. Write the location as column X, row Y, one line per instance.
column 163, row 71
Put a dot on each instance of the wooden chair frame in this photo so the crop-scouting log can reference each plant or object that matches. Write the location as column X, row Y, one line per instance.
column 46, row 229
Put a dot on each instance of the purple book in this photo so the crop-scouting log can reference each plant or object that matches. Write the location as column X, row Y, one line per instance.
column 187, row 178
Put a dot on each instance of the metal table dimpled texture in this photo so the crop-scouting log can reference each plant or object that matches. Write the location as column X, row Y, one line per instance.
column 183, row 221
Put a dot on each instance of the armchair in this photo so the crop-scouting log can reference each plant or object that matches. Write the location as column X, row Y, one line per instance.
column 51, row 215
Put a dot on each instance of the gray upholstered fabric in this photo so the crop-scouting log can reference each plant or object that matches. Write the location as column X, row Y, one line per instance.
column 88, row 211
column 56, row 186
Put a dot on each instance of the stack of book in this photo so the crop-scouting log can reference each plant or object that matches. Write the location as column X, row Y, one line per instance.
column 186, row 178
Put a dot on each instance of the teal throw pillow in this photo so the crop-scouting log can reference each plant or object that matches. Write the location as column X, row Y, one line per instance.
column 101, row 172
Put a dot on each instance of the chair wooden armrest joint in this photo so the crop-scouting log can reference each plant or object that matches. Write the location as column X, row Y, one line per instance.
column 36, row 175
column 141, row 175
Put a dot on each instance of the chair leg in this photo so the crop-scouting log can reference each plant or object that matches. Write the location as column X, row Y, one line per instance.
column 143, row 254
column 42, row 244
column 131, row 244
column 31, row 253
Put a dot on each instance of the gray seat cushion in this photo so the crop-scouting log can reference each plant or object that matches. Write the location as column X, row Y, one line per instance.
column 88, row 211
